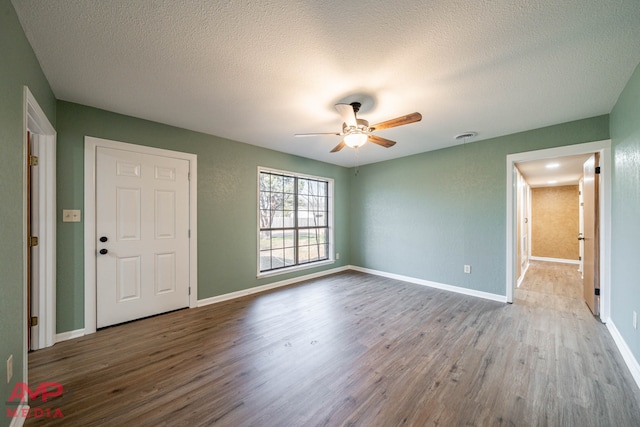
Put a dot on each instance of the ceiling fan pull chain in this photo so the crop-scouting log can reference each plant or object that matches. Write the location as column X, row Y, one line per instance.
column 357, row 167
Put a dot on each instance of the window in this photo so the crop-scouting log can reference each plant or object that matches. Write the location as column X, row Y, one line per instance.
column 294, row 220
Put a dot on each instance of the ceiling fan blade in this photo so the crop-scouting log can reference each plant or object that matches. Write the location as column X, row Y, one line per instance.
column 398, row 121
column 316, row 134
column 386, row 143
column 347, row 114
column 338, row 147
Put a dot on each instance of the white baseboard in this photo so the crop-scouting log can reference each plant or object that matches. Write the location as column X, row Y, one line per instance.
column 64, row 336
column 627, row 355
column 18, row 421
column 560, row 260
column 450, row 288
column 263, row 288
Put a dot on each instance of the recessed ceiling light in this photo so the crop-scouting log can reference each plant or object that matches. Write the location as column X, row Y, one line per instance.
column 553, row 165
column 552, row 182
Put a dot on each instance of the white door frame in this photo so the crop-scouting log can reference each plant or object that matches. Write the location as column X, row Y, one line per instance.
column 90, row 148
column 602, row 147
column 37, row 123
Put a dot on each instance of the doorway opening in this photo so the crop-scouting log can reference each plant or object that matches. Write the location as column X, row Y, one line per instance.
column 519, row 221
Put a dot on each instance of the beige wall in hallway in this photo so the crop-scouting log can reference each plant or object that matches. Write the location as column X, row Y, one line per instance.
column 554, row 222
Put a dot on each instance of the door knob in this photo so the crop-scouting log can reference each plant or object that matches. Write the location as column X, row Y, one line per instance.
column 103, row 251
column 580, row 238
column 103, row 239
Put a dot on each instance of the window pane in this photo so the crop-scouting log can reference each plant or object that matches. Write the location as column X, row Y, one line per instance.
column 312, row 187
column 265, row 218
column 289, row 185
column 277, row 239
column 322, row 188
column 303, row 254
column 290, row 256
column 265, row 260
column 320, row 218
column 277, row 182
column 265, row 240
column 289, row 239
column 277, row 258
column 288, row 202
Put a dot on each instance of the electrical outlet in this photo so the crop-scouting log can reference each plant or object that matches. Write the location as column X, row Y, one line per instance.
column 337, row 256
column 467, row 269
column 635, row 320
column 9, row 368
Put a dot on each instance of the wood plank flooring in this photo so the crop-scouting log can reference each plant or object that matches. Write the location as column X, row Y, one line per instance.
column 351, row 350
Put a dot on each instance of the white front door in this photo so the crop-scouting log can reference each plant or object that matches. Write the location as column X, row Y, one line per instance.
column 142, row 235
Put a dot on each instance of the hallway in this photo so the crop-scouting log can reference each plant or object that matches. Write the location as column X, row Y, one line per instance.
column 555, row 286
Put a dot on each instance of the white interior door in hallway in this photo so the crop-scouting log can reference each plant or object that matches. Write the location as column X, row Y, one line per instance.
column 142, row 235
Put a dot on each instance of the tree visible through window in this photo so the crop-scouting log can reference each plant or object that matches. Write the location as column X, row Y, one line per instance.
column 294, row 220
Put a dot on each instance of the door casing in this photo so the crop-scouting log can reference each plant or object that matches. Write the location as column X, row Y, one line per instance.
column 604, row 149
column 44, row 290
column 91, row 145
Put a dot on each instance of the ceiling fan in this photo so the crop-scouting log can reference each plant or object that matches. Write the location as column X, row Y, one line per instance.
column 357, row 131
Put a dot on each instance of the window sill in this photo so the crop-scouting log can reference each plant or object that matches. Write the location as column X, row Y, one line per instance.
column 293, row 269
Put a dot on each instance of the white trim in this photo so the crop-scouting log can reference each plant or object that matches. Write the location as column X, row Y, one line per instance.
column 602, row 147
column 269, row 286
column 37, row 123
column 330, row 222
column 65, row 336
column 294, row 268
column 559, row 260
column 91, row 145
column 523, row 273
column 19, row 421
column 34, row 119
column 625, row 351
column 450, row 288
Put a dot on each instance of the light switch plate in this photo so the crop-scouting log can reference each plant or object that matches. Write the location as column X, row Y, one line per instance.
column 71, row 215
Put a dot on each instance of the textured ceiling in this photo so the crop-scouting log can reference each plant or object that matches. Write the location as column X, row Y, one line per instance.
column 258, row 72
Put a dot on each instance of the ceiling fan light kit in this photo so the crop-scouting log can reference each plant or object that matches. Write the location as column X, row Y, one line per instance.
column 357, row 132
column 356, row 139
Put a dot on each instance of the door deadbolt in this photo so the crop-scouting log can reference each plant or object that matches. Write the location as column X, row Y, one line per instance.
column 103, row 239
column 103, row 251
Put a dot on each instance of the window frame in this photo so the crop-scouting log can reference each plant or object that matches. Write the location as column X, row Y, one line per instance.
column 330, row 223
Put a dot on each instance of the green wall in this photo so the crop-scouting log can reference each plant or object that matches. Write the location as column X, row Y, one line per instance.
column 427, row 215
column 227, row 202
column 18, row 67
column 625, row 209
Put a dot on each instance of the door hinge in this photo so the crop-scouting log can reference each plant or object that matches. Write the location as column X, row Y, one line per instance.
column 33, row 241
column 189, row 290
column 579, row 258
column 34, row 321
column 189, row 233
column 597, row 292
column 33, row 160
column 597, row 169
column 189, row 176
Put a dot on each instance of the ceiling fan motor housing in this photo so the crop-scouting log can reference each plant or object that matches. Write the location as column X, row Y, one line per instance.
column 362, row 127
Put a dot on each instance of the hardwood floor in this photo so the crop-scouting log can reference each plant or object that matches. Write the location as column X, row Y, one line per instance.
column 351, row 349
